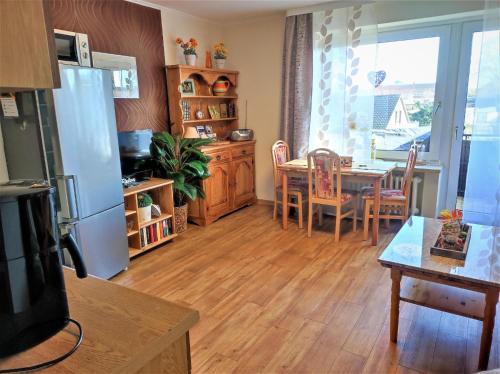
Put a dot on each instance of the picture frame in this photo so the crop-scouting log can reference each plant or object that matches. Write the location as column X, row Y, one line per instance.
column 210, row 132
column 200, row 129
column 188, row 88
column 124, row 72
column 223, row 110
column 214, row 112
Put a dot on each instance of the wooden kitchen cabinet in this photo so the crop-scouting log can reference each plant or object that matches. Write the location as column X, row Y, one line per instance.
column 243, row 180
column 217, row 189
column 231, row 185
column 28, row 57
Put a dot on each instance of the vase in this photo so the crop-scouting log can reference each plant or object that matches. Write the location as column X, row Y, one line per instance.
column 181, row 217
column 220, row 87
column 144, row 214
column 190, row 60
column 220, row 63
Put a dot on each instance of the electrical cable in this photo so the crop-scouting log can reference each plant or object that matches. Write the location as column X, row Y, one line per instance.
column 47, row 364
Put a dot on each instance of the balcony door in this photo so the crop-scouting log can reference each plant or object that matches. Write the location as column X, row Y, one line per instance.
column 467, row 84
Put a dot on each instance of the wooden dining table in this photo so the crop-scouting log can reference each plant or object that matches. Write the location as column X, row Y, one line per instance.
column 371, row 172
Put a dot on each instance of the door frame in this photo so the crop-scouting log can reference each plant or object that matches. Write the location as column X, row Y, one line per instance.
column 468, row 30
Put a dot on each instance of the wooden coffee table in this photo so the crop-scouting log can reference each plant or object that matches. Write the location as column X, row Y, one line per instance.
column 467, row 288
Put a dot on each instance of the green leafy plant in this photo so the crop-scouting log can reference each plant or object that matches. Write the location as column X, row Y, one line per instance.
column 182, row 161
column 144, row 200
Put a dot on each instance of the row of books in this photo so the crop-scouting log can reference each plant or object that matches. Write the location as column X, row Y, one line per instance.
column 155, row 232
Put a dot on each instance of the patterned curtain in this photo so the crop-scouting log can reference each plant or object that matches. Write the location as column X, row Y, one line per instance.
column 297, row 84
column 482, row 191
column 344, row 57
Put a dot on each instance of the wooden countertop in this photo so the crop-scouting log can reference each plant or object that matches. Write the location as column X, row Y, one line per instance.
column 218, row 147
column 123, row 329
column 147, row 185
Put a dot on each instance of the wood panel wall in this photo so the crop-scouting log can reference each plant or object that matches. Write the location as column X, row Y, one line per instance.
column 120, row 27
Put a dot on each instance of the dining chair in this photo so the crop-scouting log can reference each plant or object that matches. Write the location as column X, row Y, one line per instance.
column 394, row 203
column 325, row 188
column 296, row 188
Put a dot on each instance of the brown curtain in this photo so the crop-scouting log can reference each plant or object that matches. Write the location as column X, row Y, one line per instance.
column 296, row 91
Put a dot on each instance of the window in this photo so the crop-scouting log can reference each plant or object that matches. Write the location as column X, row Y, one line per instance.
column 404, row 101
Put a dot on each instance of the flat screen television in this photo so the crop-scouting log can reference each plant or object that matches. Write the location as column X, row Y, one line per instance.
column 134, row 153
column 135, row 144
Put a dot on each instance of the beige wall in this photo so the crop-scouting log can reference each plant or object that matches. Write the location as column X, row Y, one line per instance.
column 256, row 49
column 178, row 24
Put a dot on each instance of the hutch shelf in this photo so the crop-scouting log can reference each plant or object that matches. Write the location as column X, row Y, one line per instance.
column 161, row 190
column 203, row 97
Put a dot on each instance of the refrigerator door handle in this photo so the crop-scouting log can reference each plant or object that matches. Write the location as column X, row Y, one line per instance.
column 70, row 207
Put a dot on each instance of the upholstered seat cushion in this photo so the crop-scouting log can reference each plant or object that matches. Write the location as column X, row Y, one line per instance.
column 385, row 194
column 345, row 196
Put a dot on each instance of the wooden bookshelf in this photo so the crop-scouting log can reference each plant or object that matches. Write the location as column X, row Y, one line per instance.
column 161, row 190
column 204, row 80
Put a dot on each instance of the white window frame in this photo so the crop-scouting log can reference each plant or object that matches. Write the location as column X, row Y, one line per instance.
column 438, row 128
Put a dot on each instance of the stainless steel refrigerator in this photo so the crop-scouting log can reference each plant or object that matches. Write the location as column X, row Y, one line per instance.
column 68, row 136
column 86, row 166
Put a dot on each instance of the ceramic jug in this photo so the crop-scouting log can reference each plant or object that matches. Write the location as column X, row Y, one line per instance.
column 220, row 87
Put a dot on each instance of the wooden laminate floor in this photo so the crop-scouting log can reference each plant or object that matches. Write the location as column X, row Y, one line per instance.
column 275, row 301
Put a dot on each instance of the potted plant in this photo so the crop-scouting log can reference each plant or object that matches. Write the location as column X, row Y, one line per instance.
column 220, row 55
column 182, row 161
column 144, row 201
column 189, row 48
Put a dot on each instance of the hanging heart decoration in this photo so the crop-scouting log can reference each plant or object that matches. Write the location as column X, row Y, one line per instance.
column 376, row 77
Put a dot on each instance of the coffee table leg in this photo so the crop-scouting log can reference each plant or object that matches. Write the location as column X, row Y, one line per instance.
column 284, row 205
column 396, row 287
column 488, row 326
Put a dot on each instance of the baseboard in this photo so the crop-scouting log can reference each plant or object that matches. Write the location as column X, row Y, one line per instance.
column 265, row 202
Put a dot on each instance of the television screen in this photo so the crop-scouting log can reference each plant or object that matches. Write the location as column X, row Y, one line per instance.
column 135, row 144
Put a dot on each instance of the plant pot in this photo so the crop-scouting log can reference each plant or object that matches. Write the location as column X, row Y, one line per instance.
column 190, row 60
column 181, row 218
column 220, row 63
column 144, row 214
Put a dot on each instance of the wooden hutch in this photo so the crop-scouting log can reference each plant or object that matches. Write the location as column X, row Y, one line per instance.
column 232, row 168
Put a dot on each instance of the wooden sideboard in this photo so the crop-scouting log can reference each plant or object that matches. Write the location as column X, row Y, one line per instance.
column 125, row 331
column 231, row 184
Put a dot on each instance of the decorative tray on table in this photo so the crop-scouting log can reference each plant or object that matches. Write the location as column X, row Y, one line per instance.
column 453, row 240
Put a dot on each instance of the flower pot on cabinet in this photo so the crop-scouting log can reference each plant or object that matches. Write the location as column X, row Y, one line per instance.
column 190, row 60
column 144, row 214
column 220, row 63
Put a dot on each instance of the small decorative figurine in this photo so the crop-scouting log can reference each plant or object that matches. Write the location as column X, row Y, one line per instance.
column 208, row 60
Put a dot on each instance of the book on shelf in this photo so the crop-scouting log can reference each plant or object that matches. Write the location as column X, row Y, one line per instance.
column 155, row 232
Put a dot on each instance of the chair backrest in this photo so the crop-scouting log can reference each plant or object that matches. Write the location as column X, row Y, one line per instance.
column 410, row 166
column 324, row 172
column 280, row 152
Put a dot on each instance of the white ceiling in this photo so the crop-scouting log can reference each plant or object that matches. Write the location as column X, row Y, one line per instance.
column 234, row 10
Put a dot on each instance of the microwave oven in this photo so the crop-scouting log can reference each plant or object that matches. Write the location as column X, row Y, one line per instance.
column 72, row 48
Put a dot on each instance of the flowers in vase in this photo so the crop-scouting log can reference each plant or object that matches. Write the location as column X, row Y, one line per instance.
column 189, row 47
column 454, row 215
column 220, row 51
column 452, row 221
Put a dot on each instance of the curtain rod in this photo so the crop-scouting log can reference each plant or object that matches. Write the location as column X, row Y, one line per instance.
column 329, row 5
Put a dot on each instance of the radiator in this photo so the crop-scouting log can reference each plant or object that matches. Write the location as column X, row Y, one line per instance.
column 397, row 180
